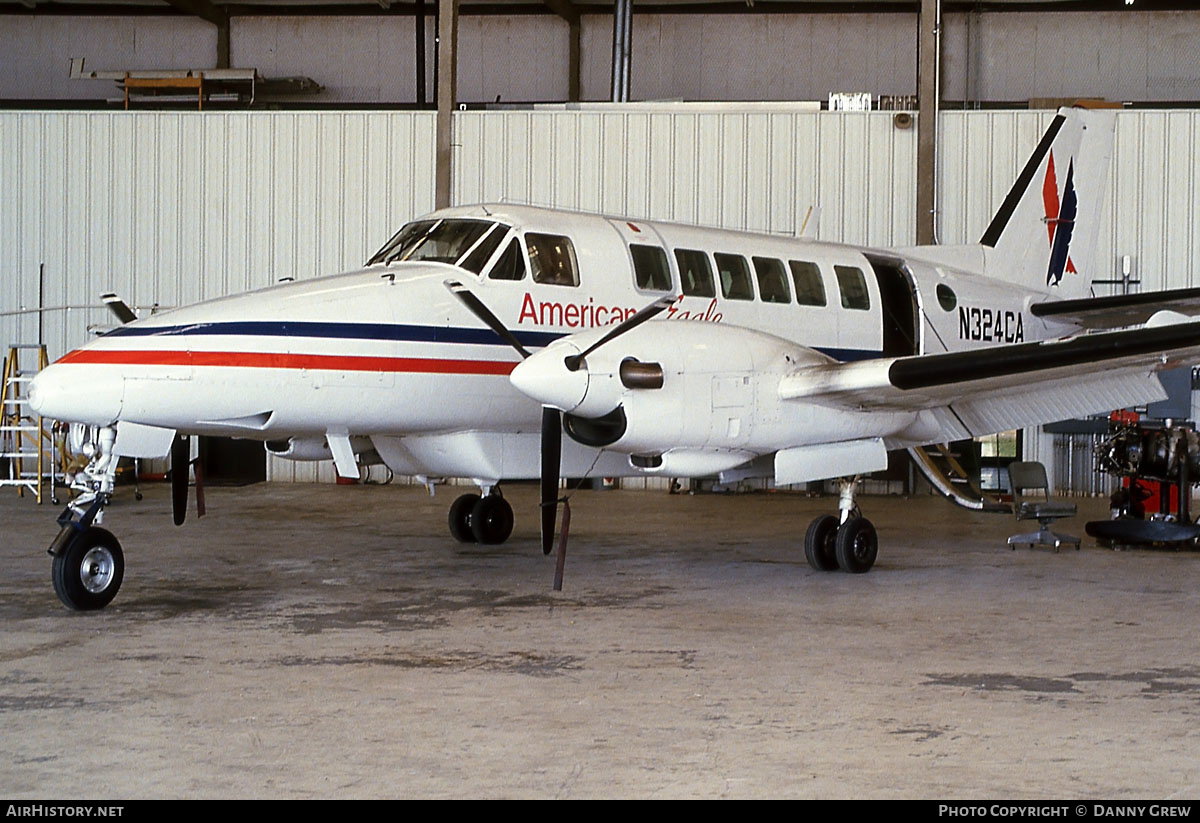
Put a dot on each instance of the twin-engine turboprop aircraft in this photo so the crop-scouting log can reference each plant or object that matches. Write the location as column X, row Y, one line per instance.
column 762, row 355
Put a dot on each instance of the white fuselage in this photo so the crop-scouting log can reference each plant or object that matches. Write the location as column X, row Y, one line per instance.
column 388, row 356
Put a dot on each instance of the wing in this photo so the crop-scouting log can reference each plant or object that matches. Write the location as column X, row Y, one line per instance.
column 1118, row 310
column 973, row 393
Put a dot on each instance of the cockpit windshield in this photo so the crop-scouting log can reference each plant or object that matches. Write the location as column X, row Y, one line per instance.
column 441, row 241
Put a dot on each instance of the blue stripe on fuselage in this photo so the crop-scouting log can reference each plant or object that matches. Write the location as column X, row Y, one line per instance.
column 344, row 331
column 384, row 331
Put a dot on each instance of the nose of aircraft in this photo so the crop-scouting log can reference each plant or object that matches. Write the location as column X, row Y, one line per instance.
column 77, row 394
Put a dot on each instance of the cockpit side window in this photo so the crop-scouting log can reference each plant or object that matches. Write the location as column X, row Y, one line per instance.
column 552, row 259
column 695, row 273
column 651, row 270
column 510, row 265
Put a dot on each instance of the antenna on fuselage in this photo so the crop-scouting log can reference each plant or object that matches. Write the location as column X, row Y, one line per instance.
column 813, row 212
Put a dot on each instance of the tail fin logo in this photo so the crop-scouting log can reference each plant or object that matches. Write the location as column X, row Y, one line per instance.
column 1060, row 221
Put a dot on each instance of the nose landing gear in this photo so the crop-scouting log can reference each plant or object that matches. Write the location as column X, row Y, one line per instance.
column 88, row 564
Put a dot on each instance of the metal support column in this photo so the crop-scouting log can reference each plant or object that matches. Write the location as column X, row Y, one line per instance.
column 621, row 48
column 420, row 30
column 928, row 103
column 447, row 65
column 573, row 29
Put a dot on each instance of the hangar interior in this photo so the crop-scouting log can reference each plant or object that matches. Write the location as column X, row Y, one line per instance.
column 715, row 125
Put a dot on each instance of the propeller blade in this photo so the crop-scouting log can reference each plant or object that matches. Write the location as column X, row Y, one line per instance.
column 485, row 314
column 657, row 307
column 180, row 456
column 118, row 307
column 551, row 466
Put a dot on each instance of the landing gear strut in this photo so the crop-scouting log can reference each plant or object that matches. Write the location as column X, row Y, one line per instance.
column 847, row 542
column 486, row 519
column 88, row 562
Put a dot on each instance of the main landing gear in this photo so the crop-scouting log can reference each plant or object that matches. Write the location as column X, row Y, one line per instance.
column 847, row 542
column 486, row 519
column 88, row 562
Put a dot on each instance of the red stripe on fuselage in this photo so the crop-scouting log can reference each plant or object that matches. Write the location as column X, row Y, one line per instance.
column 274, row 360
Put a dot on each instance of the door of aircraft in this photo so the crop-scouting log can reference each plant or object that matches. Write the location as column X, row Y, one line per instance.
column 898, row 307
column 633, row 232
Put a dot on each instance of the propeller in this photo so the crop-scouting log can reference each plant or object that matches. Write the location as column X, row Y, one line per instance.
column 552, row 419
column 551, row 467
column 180, row 457
column 641, row 316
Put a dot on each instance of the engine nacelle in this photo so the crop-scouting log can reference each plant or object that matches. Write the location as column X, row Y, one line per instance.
column 690, row 399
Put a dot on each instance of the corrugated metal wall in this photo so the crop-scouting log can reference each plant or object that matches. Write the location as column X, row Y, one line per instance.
column 175, row 208
column 754, row 167
column 172, row 208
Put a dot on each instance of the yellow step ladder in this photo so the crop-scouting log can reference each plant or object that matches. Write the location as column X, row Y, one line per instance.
column 26, row 450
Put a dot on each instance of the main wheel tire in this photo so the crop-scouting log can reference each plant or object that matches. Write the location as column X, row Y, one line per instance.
column 460, row 518
column 88, row 572
column 857, row 545
column 492, row 520
column 820, row 543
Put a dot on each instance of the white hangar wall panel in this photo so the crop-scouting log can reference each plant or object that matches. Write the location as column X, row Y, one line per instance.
column 171, row 208
column 758, row 168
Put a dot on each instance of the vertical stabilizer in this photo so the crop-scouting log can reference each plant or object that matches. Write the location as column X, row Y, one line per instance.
column 1046, row 232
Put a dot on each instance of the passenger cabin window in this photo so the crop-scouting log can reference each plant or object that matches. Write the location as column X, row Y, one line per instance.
column 853, row 286
column 477, row 258
column 735, row 276
column 695, row 273
column 772, row 280
column 810, row 288
column 552, row 259
column 510, row 265
column 651, row 271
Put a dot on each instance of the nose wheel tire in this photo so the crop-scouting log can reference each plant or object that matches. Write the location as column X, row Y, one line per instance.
column 87, row 574
column 460, row 517
column 856, row 545
column 491, row 520
column 820, row 549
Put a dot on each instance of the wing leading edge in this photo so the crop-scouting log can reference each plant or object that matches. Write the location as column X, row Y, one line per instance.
column 973, row 393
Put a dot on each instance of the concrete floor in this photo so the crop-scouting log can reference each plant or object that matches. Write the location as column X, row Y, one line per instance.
column 333, row 641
